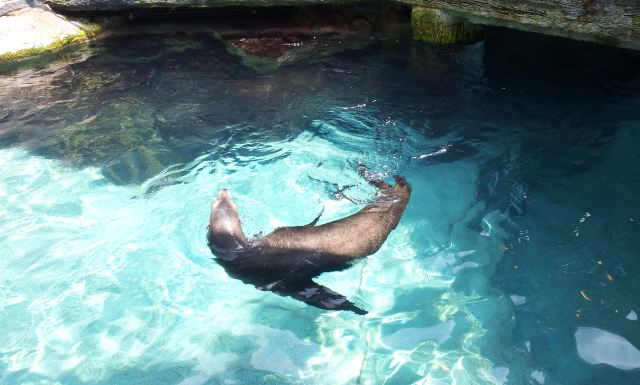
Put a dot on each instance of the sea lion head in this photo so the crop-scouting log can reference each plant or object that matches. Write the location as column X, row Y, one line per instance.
column 225, row 229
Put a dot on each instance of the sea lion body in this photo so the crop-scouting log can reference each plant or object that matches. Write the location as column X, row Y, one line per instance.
column 286, row 260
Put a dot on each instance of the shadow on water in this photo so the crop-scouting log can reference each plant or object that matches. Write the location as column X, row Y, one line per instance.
column 554, row 104
column 563, row 175
column 140, row 103
column 136, row 104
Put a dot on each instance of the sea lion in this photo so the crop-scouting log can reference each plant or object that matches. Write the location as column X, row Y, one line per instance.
column 286, row 261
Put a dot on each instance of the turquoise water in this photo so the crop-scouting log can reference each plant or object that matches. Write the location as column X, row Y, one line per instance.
column 514, row 263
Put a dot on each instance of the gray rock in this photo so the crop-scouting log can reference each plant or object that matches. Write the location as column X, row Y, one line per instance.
column 34, row 30
column 8, row 6
column 439, row 27
column 97, row 5
column 612, row 22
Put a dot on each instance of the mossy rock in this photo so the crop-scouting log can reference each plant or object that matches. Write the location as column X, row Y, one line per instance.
column 51, row 48
column 33, row 32
column 439, row 28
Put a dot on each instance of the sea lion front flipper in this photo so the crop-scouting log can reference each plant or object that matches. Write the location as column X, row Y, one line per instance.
column 318, row 296
column 313, row 222
column 372, row 178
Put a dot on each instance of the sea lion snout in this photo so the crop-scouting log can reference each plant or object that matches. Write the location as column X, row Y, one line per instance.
column 224, row 199
column 224, row 194
column 225, row 229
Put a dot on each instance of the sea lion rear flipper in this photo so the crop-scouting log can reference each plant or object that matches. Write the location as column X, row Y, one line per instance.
column 313, row 222
column 372, row 178
column 318, row 296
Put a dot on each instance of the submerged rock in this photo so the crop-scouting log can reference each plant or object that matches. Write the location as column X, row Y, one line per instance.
column 267, row 47
column 311, row 33
column 142, row 102
column 265, row 53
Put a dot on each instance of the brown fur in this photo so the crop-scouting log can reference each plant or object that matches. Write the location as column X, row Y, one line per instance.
column 355, row 236
column 286, row 260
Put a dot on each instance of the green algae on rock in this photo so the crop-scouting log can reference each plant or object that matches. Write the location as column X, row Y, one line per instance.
column 35, row 31
column 440, row 28
column 606, row 22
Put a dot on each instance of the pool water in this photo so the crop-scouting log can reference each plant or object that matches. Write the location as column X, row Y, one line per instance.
column 516, row 261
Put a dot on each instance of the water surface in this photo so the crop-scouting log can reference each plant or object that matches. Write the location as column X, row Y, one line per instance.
column 515, row 261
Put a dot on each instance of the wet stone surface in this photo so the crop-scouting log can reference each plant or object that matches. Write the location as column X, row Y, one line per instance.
column 272, row 47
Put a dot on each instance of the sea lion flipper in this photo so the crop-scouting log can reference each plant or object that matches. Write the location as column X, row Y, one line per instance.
column 313, row 222
column 319, row 296
column 372, row 178
column 401, row 181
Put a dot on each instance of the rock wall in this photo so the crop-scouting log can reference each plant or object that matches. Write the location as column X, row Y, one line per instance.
column 103, row 5
column 29, row 28
column 439, row 27
column 612, row 22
